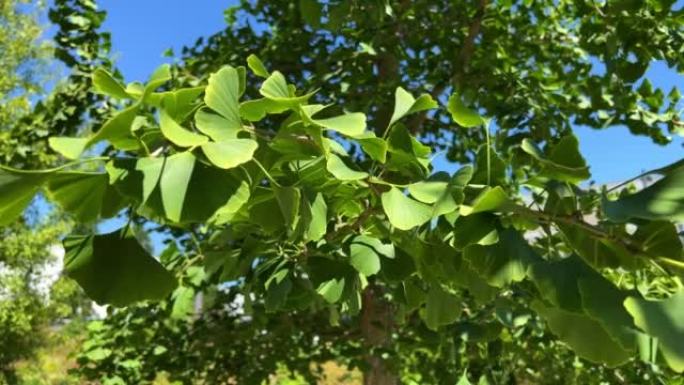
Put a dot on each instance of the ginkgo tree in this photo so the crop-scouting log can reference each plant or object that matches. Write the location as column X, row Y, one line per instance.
column 326, row 212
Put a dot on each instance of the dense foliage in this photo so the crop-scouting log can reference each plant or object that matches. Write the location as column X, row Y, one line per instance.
column 304, row 210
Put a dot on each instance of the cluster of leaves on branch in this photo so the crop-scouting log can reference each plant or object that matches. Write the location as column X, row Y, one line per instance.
column 303, row 226
column 536, row 67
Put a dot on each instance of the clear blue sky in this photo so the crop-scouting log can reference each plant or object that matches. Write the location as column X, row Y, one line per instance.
column 143, row 29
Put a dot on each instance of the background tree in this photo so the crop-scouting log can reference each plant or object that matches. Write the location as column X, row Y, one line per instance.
column 30, row 302
column 460, row 285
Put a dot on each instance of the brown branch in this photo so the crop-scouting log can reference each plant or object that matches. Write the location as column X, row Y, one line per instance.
column 466, row 53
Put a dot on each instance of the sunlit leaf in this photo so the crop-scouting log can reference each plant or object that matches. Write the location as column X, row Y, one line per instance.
column 230, row 153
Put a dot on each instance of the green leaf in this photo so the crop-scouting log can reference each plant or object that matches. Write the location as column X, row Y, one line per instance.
column 504, row 262
column 104, row 83
column 319, row 219
column 403, row 212
column 665, row 321
column 177, row 134
column 275, row 87
column 365, row 252
column 78, row 193
column 223, row 93
column 603, row 301
column 216, row 126
column 441, row 308
column 288, row 199
column 376, row 148
column 490, row 199
column 564, row 163
column 473, row 229
column 659, row 239
column 161, row 75
column 351, row 124
column 406, row 104
column 115, row 270
column 17, row 189
column 179, row 103
column 257, row 67
column 151, row 169
column 428, row 191
column 174, row 182
column 230, row 153
column 341, row 171
column 663, row 200
column 585, row 335
column 461, row 114
column 226, row 212
column 117, row 130
column 331, row 290
column 255, row 110
column 70, row 148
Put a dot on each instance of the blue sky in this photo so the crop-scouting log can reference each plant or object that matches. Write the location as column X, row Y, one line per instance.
column 143, row 29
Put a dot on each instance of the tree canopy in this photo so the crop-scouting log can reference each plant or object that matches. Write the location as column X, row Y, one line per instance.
column 289, row 162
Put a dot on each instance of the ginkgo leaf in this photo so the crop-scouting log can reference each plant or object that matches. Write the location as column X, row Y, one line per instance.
column 174, row 182
column 255, row 110
column 70, row 148
column 428, row 191
column 504, row 262
column 587, row 337
column 78, row 193
column 331, row 290
column 663, row 320
column 564, row 163
column 177, row 134
column 365, row 252
column 275, row 87
column 114, row 269
column 288, row 199
column 17, row 189
column 441, row 308
column 403, row 212
column 352, row 124
column 406, row 104
column 230, row 153
column 223, row 93
column 151, row 169
column 319, row 219
column 461, row 114
column 489, row 199
column 117, row 130
column 161, row 75
column 341, row 171
column 663, row 200
column 216, row 126
column 179, row 104
column 375, row 147
column 104, row 83
column 257, row 66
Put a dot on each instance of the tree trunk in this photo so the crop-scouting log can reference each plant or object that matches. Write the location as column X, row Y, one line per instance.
column 376, row 328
